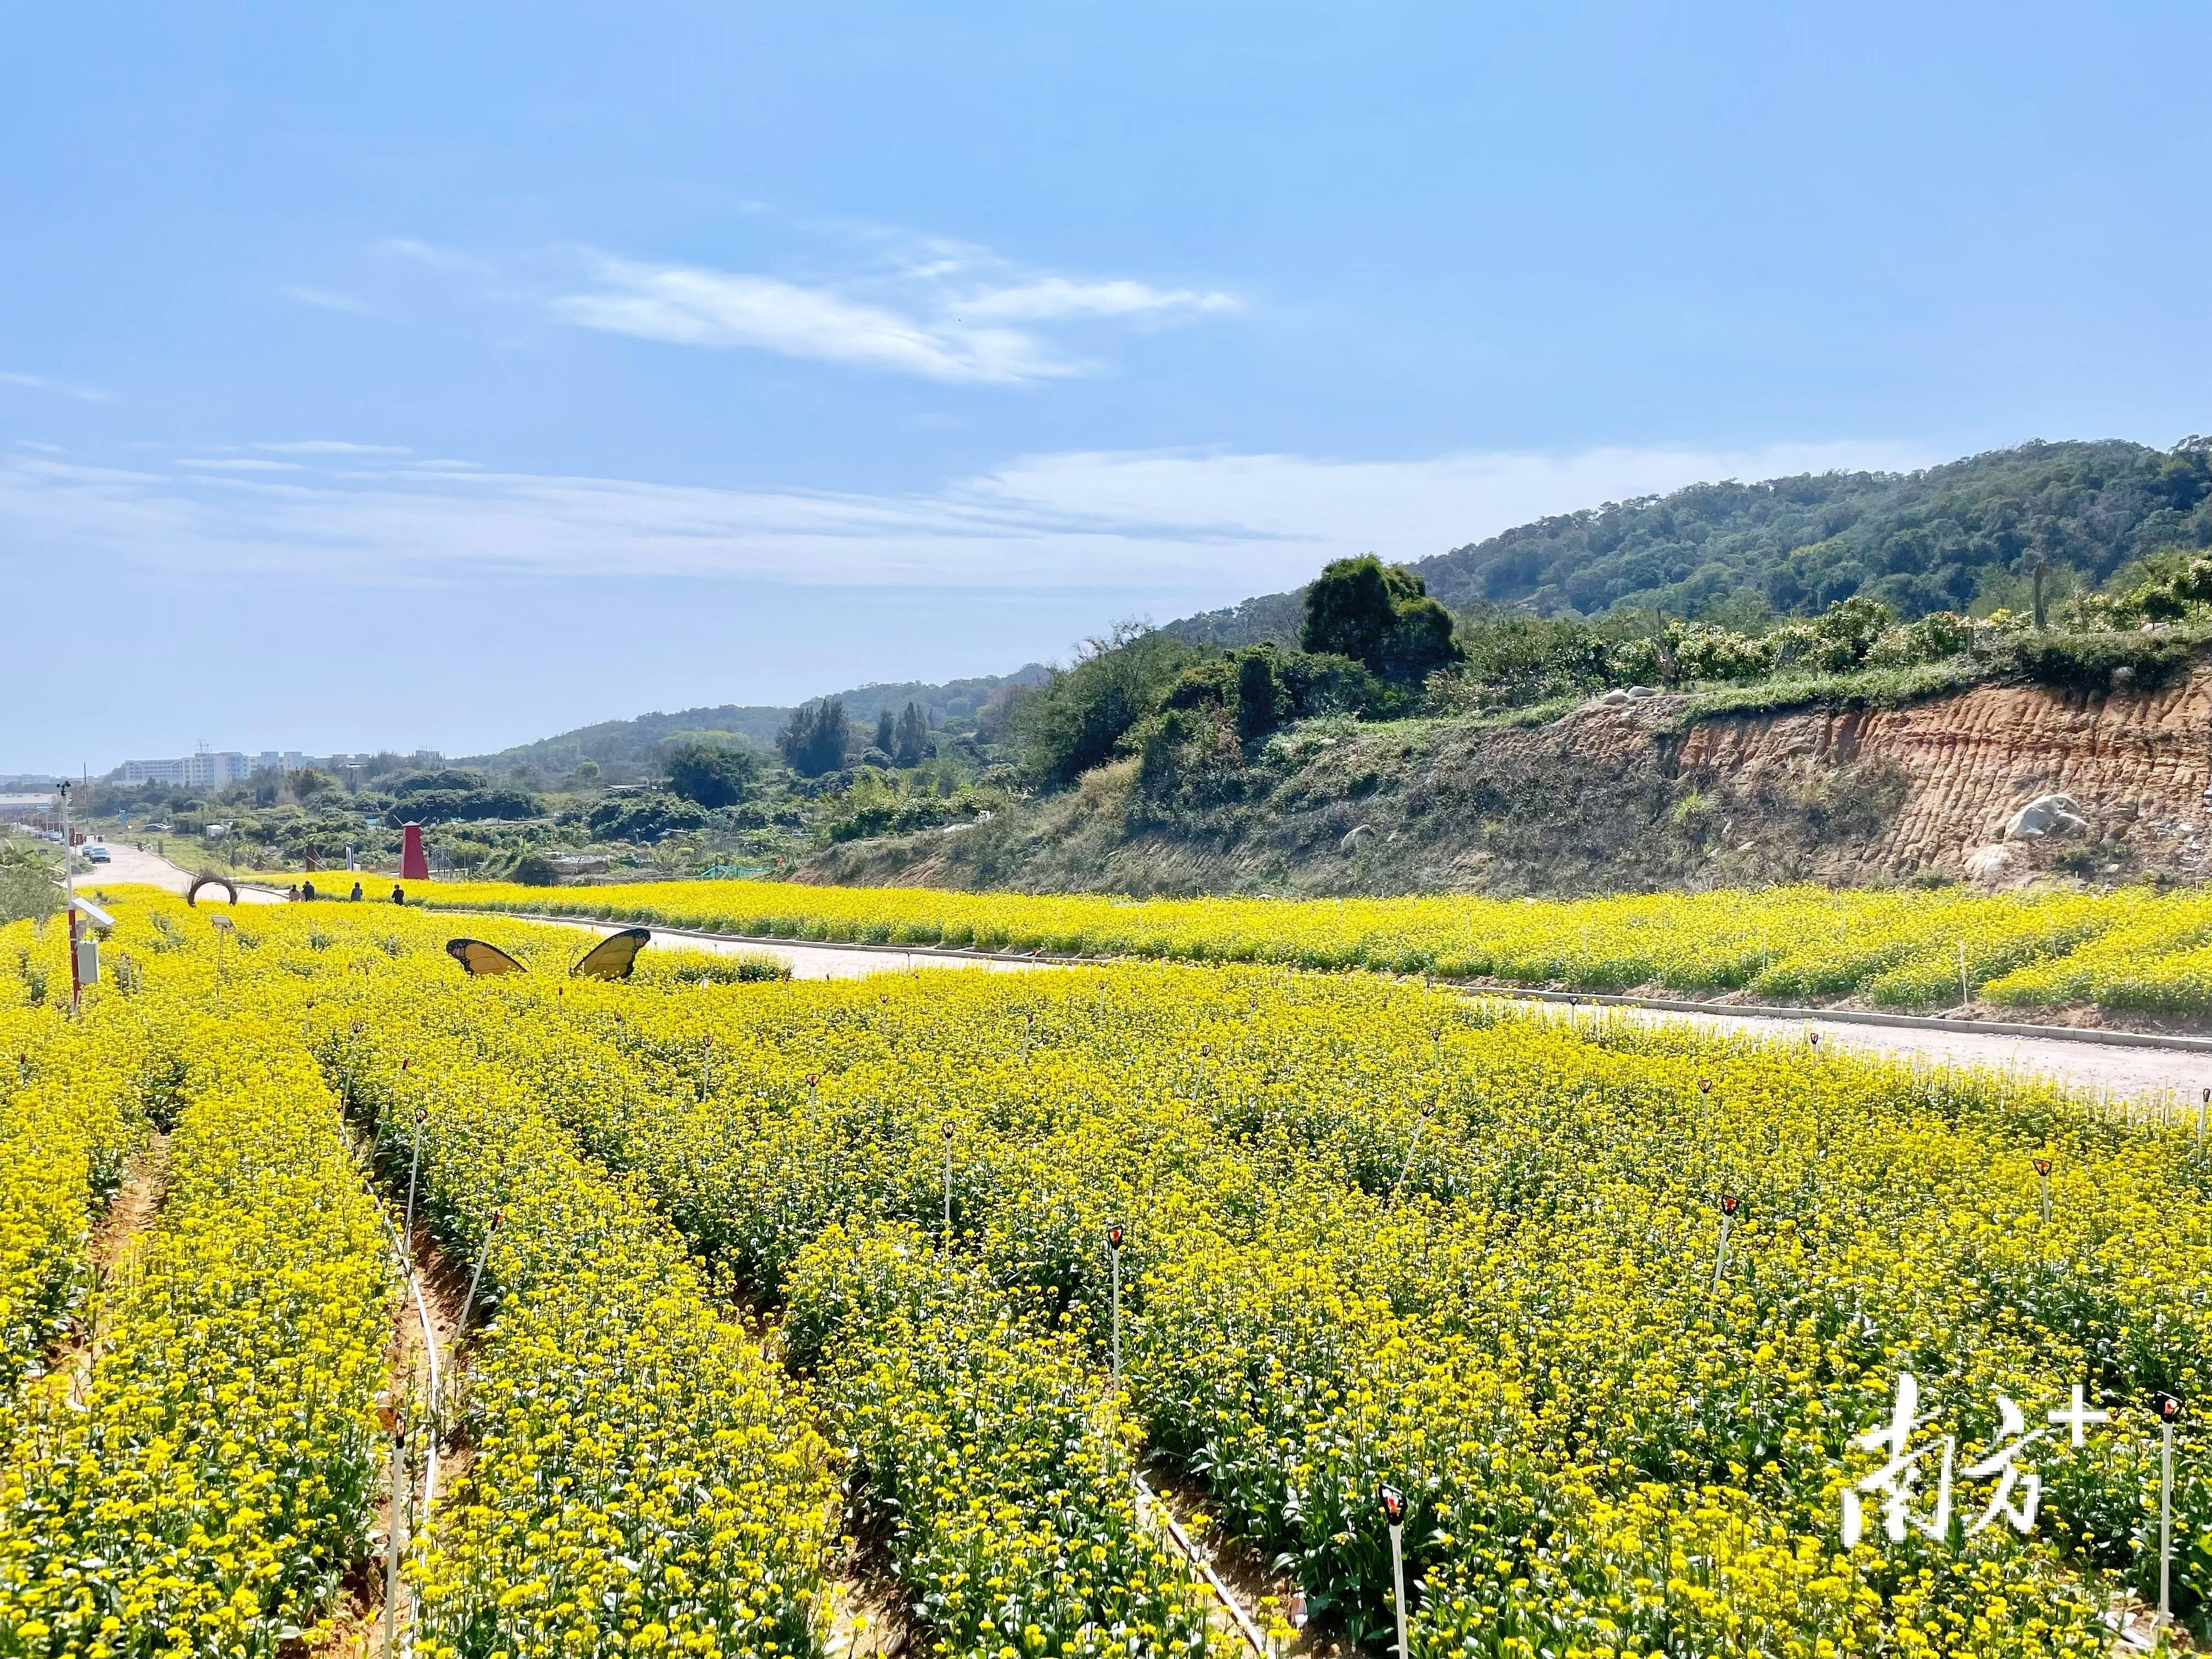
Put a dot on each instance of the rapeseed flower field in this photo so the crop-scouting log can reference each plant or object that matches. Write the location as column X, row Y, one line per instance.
column 771, row 1265
column 2132, row 951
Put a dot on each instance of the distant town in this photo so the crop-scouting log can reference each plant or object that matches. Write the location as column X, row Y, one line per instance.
column 208, row 768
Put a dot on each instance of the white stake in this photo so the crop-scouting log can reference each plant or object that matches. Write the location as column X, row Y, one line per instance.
column 1965, row 995
column 1720, row 1255
column 1114, row 1255
column 475, row 1276
column 1428, row 1110
column 948, row 1191
column 414, row 1163
column 2043, row 1181
column 2204, row 1107
column 389, row 1416
column 2168, row 1409
column 1394, row 1511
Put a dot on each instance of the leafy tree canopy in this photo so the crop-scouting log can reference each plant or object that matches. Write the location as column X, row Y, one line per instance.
column 708, row 772
column 816, row 738
column 1964, row 536
column 1381, row 617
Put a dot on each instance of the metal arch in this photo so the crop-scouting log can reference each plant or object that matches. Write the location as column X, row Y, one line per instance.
column 192, row 893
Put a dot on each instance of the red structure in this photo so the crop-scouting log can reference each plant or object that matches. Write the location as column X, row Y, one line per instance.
column 413, row 866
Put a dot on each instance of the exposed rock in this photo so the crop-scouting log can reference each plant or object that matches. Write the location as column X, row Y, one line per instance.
column 1615, row 698
column 1993, row 865
column 2046, row 815
column 1620, row 796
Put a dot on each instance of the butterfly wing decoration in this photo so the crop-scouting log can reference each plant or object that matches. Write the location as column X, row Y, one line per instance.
column 481, row 959
column 613, row 956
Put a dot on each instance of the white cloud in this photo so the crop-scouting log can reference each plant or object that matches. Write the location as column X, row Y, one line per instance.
column 687, row 306
column 937, row 309
column 333, row 447
column 241, row 465
column 1053, row 297
column 1199, row 527
column 324, row 298
column 42, row 383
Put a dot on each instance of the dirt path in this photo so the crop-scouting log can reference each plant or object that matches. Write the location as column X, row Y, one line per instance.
column 413, row 1356
column 113, row 1252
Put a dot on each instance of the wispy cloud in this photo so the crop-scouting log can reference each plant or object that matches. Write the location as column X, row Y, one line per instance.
column 438, row 258
column 332, row 446
column 230, row 464
column 1200, row 527
column 46, row 383
column 324, row 298
column 1054, row 297
column 929, row 307
column 687, row 306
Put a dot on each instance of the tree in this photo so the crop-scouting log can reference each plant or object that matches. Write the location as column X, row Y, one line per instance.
column 30, row 890
column 307, row 783
column 1380, row 615
column 588, row 771
column 1072, row 722
column 709, row 774
column 814, row 740
column 884, row 727
column 910, row 741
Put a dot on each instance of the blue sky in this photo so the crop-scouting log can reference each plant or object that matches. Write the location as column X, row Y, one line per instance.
column 451, row 375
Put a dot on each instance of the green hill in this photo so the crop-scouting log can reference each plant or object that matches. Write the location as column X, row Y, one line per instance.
column 620, row 745
column 1943, row 540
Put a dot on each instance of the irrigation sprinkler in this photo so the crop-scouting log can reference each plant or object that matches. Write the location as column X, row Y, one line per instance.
column 1729, row 1203
column 2169, row 1409
column 1113, row 1258
column 414, row 1165
column 2043, row 1183
column 1413, row 1145
column 1394, row 1511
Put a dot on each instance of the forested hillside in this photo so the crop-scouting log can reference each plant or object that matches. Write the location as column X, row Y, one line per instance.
column 1946, row 538
column 618, row 745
